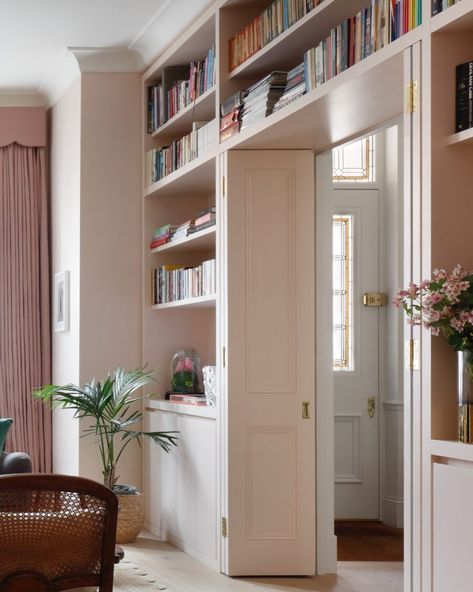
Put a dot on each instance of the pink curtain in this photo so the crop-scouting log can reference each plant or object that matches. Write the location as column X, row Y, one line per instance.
column 25, row 357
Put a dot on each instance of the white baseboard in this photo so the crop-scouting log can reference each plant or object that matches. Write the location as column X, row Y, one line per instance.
column 176, row 542
column 393, row 512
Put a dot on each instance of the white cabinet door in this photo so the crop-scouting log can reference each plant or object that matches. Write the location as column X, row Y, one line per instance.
column 269, row 335
column 181, row 485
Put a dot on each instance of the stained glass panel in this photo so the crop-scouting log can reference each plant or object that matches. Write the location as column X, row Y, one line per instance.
column 342, row 286
column 355, row 162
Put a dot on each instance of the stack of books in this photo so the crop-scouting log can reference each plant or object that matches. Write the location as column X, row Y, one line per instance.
column 441, row 5
column 464, row 97
column 274, row 20
column 162, row 235
column 183, row 230
column 262, row 97
column 295, row 87
column 230, row 115
column 171, row 283
column 358, row 37
column 205, row 219
column 188, row 399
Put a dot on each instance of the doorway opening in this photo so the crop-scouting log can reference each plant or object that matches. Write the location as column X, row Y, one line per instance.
column 360, row 199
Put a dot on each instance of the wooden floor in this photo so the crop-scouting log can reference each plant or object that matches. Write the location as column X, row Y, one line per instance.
column 368, row 541
column 181, row 573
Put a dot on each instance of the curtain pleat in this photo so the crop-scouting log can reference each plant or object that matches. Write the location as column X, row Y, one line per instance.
column 25, row 356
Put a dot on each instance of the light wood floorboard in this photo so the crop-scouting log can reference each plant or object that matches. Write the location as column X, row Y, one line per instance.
column 181, row 573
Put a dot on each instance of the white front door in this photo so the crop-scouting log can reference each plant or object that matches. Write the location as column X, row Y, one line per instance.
column 356, row 353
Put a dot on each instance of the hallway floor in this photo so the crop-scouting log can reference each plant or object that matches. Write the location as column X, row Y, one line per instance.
column 181, row 573
column 368, row 540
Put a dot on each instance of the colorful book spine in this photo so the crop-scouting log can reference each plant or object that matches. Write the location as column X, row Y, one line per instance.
column 161, row 162
column 279, row 16
column 166, row 104
column 172, row 283
column 358, row 37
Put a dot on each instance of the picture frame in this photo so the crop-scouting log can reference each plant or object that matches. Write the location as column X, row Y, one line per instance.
column 61, row 302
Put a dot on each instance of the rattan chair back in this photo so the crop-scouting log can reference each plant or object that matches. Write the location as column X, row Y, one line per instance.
column 57, row 532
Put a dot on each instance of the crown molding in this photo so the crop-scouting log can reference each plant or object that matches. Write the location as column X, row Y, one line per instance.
column 77, row 60
column 160, row 31
column 173, row 17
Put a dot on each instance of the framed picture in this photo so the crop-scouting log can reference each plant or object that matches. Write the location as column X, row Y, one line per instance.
column 61, row 302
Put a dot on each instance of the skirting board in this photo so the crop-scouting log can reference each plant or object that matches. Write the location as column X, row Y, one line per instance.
column 393, row 512
column 168, row 538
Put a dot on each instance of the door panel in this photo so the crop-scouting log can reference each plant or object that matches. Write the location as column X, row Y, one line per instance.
column 356, row 432
column 269, row 335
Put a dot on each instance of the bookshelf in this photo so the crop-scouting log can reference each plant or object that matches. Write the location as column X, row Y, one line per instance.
column 285, row 51
column 460, row 138
column 203, row 108
column 203, row 240
column 200, row 302
column 362, row 98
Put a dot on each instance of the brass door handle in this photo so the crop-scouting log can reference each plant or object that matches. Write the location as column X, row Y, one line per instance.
column 371, row 406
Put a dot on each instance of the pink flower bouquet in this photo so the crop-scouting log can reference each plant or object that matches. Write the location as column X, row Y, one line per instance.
column 444, row 305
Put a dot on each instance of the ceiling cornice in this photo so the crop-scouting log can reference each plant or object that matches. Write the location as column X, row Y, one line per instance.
column 163, row 27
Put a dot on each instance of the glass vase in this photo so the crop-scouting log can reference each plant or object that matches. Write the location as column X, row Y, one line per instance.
column 465, row 397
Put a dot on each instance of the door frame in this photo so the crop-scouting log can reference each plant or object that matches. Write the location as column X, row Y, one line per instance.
column 326, row 540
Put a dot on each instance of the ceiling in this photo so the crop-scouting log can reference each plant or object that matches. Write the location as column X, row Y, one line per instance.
column 35, row 34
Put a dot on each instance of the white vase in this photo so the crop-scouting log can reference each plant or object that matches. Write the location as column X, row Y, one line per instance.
column 210, row 385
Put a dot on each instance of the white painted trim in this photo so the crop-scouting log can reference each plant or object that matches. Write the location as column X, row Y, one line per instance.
column 107, row 59
column 326, row 559
column 394, row 406
column 393, row 511
column 177, row 542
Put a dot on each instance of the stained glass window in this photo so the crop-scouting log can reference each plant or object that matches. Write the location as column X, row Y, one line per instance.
column 342, row 292
column 355, row 162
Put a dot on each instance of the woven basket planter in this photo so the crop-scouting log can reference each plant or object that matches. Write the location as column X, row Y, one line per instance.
column 131, row 517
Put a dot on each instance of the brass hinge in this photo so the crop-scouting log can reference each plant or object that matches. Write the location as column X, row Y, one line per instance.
column 412, row 355
column 224, row 528
column 305, row 409
column 412, row 96
column 223, row 186
column 224, row 357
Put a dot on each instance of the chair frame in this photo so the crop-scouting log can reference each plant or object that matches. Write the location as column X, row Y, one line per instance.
column 80, row 485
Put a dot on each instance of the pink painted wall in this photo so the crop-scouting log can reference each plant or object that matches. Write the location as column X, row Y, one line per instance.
column 96, row 234
column 65, row 194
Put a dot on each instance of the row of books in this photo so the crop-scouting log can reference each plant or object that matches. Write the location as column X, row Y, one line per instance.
column 382, row 22
column 163, row 161
column 180, row 86
column 358, row 37
column 464, row 97
column 274, row 20
column 441, row 5
column 172, row 283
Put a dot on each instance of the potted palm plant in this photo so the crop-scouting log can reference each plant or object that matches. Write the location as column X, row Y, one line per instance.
column 110, row 407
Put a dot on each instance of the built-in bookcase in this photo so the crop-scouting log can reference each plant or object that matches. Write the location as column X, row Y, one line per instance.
column 452, row 155
column 358, row 100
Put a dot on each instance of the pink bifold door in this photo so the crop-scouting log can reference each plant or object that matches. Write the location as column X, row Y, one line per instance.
column 267, row 328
